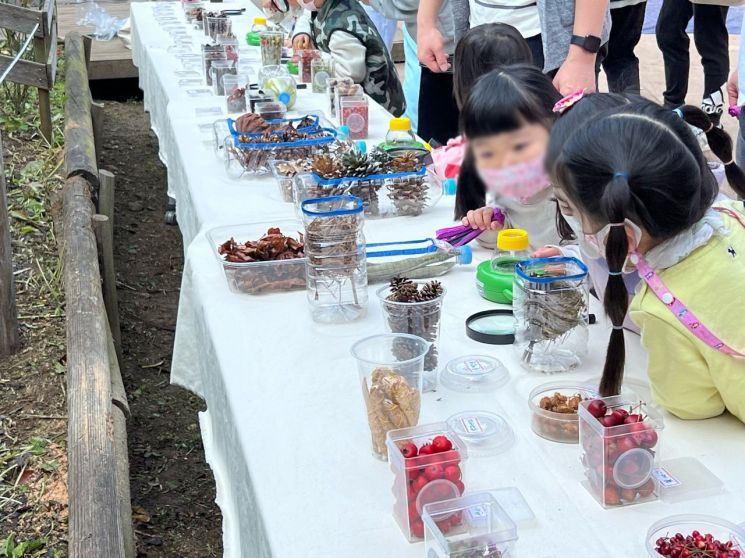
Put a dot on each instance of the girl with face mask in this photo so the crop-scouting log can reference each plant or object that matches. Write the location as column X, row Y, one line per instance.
column 506, row 120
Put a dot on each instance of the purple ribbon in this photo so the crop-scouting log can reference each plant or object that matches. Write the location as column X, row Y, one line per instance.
column 461, row 235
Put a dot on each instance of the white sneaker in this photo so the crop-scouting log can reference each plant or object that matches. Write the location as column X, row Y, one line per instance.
column 700, row 137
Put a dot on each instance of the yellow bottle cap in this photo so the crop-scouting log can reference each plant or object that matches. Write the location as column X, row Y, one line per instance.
column 512, row 239
column 401, row 124
column 259, row 21
column 427, row 146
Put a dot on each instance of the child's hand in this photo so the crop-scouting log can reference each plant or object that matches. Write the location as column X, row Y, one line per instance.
column 301, row 41
column 733, row 89
column 547, row 252
column 481, row 219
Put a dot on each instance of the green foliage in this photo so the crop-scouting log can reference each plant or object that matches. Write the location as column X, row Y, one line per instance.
column 9, row 548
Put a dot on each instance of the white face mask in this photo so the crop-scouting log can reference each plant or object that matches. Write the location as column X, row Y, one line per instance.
column 309, row 5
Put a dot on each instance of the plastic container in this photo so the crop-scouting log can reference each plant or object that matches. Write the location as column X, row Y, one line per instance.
column 550, row 303
column 217, row 25
column 415, row 259
column 494, row 279
column 331, row 85
column 426, row 478
column 306, row 57
column 230, row 44
column 474, row 374
column 390, row 371
column 400, row 134
column 271, row 47
column 619, row 461
column 335, row 246
column 321, row 70
column 473, row 526
column 422, row 319
column 353, row 113
column 218, row 70
column 259, row 277
column 720, row 529
column 271, row 110
column 209, row 57
column 277, row 82
column 404, row 194
column 554, row 425
column 486, row 434
column 234, row 87
column 258, row 25
column 284, row 173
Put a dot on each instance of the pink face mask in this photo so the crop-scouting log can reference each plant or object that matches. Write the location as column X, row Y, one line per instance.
column 309, row 5
column 520, row 182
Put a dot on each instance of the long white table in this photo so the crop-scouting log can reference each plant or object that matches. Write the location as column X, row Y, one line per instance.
column 285, row 430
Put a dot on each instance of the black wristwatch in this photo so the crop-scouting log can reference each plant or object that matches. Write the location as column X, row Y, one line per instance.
column 590, row 43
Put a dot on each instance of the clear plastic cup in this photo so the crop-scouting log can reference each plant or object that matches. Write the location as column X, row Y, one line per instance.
column 234, row 88
column 218, row 70
column 271, row 47
column 390, row 368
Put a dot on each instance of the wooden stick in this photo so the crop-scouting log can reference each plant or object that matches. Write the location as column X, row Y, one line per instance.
column 106, row 207
column 97, row 117
column 45, row 109
column 9, row 340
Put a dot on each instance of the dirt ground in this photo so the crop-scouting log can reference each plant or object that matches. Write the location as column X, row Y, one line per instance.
column 172, row 487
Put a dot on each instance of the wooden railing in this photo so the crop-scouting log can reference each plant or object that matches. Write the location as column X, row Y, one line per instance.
column 100, row 514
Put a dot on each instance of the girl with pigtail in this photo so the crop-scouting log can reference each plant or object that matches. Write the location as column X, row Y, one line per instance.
column 636, row 181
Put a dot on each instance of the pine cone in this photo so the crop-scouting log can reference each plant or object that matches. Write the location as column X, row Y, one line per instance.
column 406, row 163
column 431, row 290
column 407, row 292
column 380, row 161
column 325, row 167
column 397, row 282
column 357, row 164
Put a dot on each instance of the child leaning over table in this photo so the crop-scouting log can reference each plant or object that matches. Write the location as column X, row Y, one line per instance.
column 343, row 29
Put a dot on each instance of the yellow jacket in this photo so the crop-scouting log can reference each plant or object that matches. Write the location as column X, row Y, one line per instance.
column 689, row 378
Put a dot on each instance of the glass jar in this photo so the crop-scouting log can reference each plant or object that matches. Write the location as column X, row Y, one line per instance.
column 550, row 304
column 419, row 314
column 277, row 82
column 335, row 247
column 271, row 47
column 400, row 134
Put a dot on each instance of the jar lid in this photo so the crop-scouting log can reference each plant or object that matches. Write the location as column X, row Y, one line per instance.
column 513, row 239
column 484, row 433
column 494, row 327
column 633, row 468
column 259, row 21
column 400, row 124
column 474, row 374
column 494, row 285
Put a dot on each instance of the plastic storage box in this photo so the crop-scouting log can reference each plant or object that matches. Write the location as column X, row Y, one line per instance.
column 720, row 530
column 555, row 425
column 473, row 526
column 619, row 461
column 424, row 478
column 259, row 277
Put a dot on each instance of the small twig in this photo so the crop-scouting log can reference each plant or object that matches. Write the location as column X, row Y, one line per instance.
column 46, row 417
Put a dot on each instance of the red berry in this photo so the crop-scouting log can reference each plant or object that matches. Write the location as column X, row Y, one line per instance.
column 622, row 412
column 597, row 408
column 441, row 443
column 426, row 449
column 649, row 439
column 647, row 489
column 434, row 472
column 417, row 529
column 628, row 494
column 632, row 418
column 611, row 420
column 456, row 519
column 630, row 467
column 626, row 443
column 413, row 512
column 444, row 526
column 612, row 498
column 460, row 486
column 442, row 492
column 420, row 482
column 452, row 472
column 409, row 450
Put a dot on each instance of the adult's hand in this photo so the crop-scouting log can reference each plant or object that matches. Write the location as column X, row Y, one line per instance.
column 269, row 6
column 431, row 49
column 577, row 72
column 733, row 88
column 301, row 41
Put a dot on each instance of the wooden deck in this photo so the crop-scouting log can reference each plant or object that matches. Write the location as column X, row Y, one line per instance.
column 109, row 59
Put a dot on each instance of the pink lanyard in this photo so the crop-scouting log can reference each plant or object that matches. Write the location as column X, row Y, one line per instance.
column 684, row 315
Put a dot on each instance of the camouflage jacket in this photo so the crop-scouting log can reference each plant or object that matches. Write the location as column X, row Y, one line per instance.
column 381, row 81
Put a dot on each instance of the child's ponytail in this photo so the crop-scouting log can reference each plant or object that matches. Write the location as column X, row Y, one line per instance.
column 720, row 144
column 615, row 199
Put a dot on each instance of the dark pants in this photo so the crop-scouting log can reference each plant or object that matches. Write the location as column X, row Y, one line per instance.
column 621, row 65
column 438, row 113
column 711, row 37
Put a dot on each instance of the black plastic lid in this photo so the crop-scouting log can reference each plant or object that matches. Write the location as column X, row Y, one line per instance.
column 494, row 327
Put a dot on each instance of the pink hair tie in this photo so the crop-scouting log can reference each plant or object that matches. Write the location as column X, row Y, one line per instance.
column 569, row 101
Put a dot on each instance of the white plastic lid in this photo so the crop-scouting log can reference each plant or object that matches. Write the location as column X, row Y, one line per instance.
column 633, row 468
column 484, row 433
column 436, row 491
column 475, row 374
column 686, row 478
column 514, row 504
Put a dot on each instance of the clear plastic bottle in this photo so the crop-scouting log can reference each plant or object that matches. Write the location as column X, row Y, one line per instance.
column 512, row 247
column 259, row 24
column 415, row 259
column 400, row 134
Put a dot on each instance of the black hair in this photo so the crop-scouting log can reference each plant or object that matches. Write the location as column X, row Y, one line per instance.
column 482, row 49
column 501, row 101
column 573, row 118
column 639, row 162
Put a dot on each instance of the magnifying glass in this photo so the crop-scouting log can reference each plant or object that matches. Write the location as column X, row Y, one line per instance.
column 282, row 6
column 494, row 327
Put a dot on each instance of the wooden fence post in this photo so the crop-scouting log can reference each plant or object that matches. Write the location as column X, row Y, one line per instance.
column 108, row 273
column 9, row 341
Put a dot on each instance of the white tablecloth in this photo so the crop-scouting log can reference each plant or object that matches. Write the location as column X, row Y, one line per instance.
column 285, row 431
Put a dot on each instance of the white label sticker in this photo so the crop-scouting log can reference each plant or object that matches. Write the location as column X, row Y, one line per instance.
column 208, row 111
column 477, row 512
column 472, row 425
column 473, row 366
column 665, row 479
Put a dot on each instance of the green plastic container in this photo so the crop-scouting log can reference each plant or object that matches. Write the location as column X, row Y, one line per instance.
column 253, row 39
column 493, row 285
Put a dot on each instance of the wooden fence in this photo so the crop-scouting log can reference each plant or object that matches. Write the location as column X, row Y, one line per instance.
column 100, row 521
